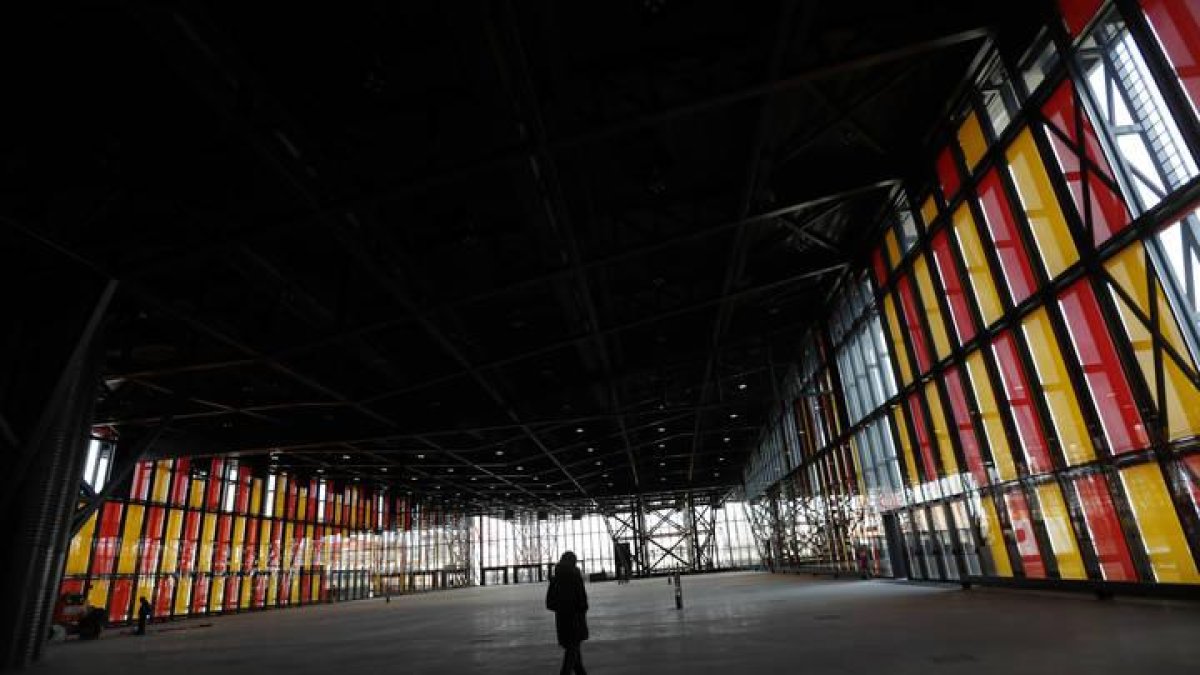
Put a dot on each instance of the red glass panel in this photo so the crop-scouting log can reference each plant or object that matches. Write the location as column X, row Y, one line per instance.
column 109, row 538
column 1177, row 25
column 289, row 511
column 214, row 484
column 1027, row 544
column 200, row 594
column 305, row 587
column 119, row 599
column 966, row 430
column 1014, row 260
column 250, row 552
column 1107, row 210
column 960, row 310
column 179, row 486
column 260, row 590
column 924, row 443
column 1105, row 528
column 152, row 542
column 1102, row 369
column 1077, row 13
column 232, row 595
column 947, row 173
column 276, row 544
column 1020, row 401
column 141, row 481
column 221, row 554
column 71, row 586
column 880, row 266
column 243, row 490
column 163, row 595
column 313, row 493
column 912, row 317
column 187, row 549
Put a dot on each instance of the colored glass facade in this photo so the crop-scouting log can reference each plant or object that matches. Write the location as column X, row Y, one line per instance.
column 209, row 536
column 1010, row 387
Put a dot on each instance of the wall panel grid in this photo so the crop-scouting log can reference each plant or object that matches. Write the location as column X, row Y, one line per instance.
column 1013, row 379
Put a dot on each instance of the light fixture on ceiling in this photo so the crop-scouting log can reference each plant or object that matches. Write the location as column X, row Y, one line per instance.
column 742, row 386
column 733, row 416
column 420, row 456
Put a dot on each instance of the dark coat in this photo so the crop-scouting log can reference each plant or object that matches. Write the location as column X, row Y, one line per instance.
column 568, row 600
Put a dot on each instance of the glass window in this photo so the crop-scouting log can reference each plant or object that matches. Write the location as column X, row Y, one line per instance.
column 1077, row 13
column 960, row 311
column 1093, row 188
column 963, row 425
column 1106, row 381
column 933, row 310
column 1042, row 59
column 1046, row 220
column 1158, row 524
column 947, row 171
column 1132, row 110
column 941, row 436
column 929, row 210
column 999, row 99
column 1023, row 532
column 989, row 415
column 1014, row 260
column 1020, row 401
column 1104, row 528
column 898, row 349
column 912, row 319
column 924, row 441
column 993, row 537
column 1059, row 532
column 1059, row 393
column 1176, row 25
column 910, row 463
column 976, row 263
column 971, row 140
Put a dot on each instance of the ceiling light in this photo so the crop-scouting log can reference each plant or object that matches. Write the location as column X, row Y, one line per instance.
column 599, row 463
column 726, row 439
column 473, row 478
column 499, row 453
column 591, row 449
column 450, row 470
column 384, row 469
column 320, row 470
column 662, row 445
column 579, row 430
column 662, row 430
column 662, row 463
column 742, row 386
column 345, row 456
column 520, row 468
column 413, row 478
column 356, row 479
column 420, row 456
column 733, row 416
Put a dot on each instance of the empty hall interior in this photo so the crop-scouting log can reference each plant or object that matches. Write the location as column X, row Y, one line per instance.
column 667, row 336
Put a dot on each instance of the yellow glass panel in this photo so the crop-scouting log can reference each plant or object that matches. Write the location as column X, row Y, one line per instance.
column 130, row 536
column 97, row 595
column 929, row 210
column 264, row 545
column 993, row 427
column 994, row 537
column 1046, row 219
column 256, row 490
column 1182, row 404
column 315, row 588
column 1072, row 432
column 294, row 590
column 933, row 311
column 287, row 555
column 216, row 593
column 207, row 536
column 308, row 545
column 1058, row 527
column 170, row 554
column 1128, row 269
column 196, row 498
column 247, row 586
column 910, row 462
column 162, row 481
column 273, row 589
column 183, row 595
column 237, row 550
column 81, row 547
column 977, row 266
column 898, row 353
column 280, row 490
column 970, row 139
column 893, row 248
column 302, row 505
column 1158, row 525
column 941, row 432
column 858, row 474
column 145, row 589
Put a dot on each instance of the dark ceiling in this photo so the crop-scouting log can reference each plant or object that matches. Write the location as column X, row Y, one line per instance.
column 525, row 252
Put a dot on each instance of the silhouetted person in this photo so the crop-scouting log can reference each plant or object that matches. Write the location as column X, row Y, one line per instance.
column 144, row 612
column 567, row 598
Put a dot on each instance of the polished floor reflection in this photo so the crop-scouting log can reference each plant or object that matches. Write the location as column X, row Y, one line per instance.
column 735, row 623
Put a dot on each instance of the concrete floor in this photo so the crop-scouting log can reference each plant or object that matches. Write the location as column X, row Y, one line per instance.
column 735, row 623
